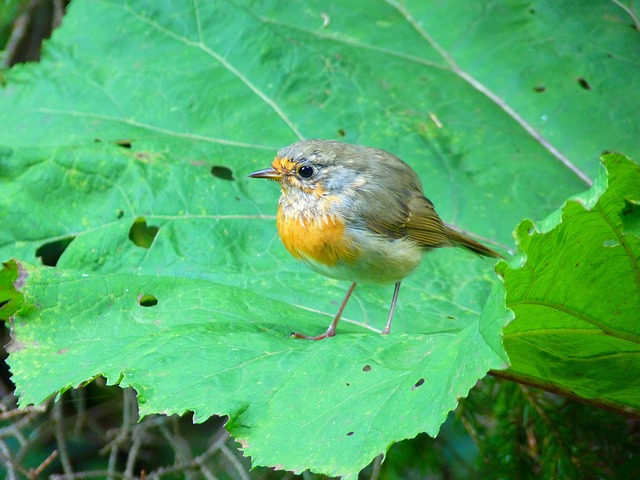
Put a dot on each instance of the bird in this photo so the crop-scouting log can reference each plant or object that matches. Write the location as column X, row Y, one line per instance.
column 356, row 213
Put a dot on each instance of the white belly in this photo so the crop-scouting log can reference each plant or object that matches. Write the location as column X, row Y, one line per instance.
column 379, row 261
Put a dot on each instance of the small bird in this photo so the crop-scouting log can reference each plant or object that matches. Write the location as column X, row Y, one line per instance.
column 356, row 213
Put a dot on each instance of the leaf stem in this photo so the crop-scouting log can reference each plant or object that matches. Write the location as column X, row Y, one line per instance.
column 608, row 405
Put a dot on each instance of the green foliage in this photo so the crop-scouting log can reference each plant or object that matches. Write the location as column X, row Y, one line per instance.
column 207, row 348
column 527, row 433
column 575, row 292
column 123, row 158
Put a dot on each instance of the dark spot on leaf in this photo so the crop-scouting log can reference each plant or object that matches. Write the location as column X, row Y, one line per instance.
column 124, row 143
column 418, row 384
column 2, row 304
column 577, row 265
column 119, row 214
column 532, row 11
column 142, row 234
column 451, row 317
column 539, row 88
column 348, row 384
column 366, row 368
column 341, row 133
column 630, row 209
column 224, row 173
column 51, row 252
column 349, row 434
column 584, row 84
column 147, row 300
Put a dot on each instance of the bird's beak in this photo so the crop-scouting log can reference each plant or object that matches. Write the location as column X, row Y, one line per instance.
column 269, row 173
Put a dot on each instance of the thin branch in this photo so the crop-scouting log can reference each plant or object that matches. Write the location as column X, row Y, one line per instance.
column 234, row 461
column 60, row 438
column 5, row 456
column 138, row 436
column 44, row 464
column 124, row 432
column 604, row 404
column 87, row 474
column 377, row 463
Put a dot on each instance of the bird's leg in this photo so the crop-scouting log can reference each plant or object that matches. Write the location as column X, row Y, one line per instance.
column 387, row 328
column 331, row 331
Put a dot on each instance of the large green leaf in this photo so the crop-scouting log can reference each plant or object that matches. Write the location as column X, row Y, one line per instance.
column 575, row 292
column 501, row 107
column 329, row 406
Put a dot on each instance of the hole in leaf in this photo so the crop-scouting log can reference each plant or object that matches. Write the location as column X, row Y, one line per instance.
column 51, row 252
column 341, row 132
column 147, row 300
column 630, row 210
column 142, row 234
column 2, row 304
column 366, row 368
column 349, row 434
column 610, row 243
column 539, row 89
column 584, row 84
column 124, row 143
column 418, row 384
column 224, row 173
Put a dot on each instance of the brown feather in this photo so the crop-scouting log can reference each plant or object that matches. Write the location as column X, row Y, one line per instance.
column 461, row 240
column 419, row 221
column 424, row 225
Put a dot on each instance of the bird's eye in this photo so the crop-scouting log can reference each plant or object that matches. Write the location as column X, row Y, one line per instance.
column 305, row 171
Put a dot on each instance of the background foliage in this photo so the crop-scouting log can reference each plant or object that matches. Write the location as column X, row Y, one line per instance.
column 124, row 153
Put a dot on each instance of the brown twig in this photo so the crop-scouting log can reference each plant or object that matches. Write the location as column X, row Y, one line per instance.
column 58, row 424
column 565, row 392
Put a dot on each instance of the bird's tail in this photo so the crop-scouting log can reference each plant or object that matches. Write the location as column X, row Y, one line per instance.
column 460, row 240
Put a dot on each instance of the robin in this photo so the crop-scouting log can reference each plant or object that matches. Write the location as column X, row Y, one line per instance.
column 356, row 213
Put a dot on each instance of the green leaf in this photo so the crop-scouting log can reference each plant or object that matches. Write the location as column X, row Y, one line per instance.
column 575, row 291
column 12, row 278
column 153, row 120
column 330, row 406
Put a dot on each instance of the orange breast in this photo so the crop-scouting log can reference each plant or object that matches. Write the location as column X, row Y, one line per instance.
column 321, row 239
